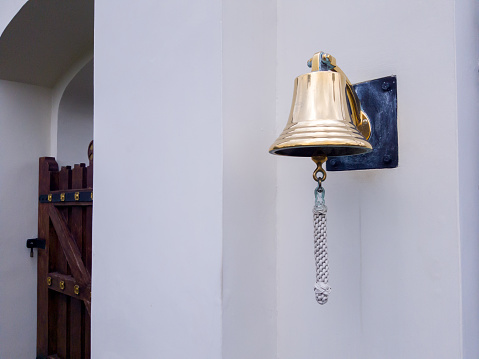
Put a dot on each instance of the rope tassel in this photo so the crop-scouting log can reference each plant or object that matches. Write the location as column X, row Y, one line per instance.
column 321, row 287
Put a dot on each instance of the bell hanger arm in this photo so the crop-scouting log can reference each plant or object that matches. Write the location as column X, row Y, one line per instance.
column 322, row 61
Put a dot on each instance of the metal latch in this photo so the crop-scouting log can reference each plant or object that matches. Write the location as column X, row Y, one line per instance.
column 35, row 243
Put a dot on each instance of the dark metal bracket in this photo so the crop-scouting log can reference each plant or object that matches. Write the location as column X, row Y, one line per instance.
column 379, row 100
column 66, row 196
column 35, row 243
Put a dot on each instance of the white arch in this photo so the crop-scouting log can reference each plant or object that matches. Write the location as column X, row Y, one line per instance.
column 45, row 39
column 57, row 94
column 9, row 10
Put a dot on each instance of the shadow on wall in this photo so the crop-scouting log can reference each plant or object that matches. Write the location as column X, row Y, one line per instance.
column 45, row 39
column 75, row 118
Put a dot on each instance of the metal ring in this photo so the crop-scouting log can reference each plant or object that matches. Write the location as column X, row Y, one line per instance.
column 319, row 189
column 315, row 173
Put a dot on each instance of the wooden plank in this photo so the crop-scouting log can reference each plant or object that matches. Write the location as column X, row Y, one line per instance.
column 72, row 253
column 69, row 246
column 52, row 296
column 46, row 164
column 54, row 180
column 77, row 224
column 68, row 286
column 71, row 204
column 86, row 334
column 75, row 328
column 71, row 190
column 63, row 302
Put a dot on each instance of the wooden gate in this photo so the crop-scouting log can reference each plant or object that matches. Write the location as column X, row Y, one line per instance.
column 64, row 266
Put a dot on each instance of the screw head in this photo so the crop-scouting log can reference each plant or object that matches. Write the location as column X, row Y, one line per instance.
column 387, row 159
column 386, row 86
column 334, row 163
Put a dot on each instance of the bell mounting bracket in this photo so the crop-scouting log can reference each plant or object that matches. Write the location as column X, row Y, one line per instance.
column 378, row 100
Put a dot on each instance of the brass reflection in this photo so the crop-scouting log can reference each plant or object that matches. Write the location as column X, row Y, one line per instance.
column 326, row 117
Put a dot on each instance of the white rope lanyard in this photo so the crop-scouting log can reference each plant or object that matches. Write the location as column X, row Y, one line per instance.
column 321, row 287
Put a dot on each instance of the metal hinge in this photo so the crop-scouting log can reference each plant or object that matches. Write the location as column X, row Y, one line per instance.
column 35, row 243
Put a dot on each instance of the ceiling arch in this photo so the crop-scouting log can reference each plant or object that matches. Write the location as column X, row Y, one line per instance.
column 44, row 39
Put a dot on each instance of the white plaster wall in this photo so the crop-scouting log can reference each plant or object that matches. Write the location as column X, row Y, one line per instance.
column 79, row 104
column 249, row 179
column 467, row 57
column 75, row 118
column 393, row 234
column 157, row 235
column 24, row 137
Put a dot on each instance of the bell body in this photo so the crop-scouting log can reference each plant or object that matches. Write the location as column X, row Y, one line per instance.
column 321, row 121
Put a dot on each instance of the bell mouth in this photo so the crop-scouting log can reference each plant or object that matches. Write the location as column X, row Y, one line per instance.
column 322, row 137
column 312, row 151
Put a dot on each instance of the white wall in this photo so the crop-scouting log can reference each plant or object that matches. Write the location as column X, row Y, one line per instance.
column 24, row 136
column 75, row 118
column 393, row 234
column 77, row 103
column 182, row 126
column 467, row 57
column 18, row 212
column 249, row 179
column 157, row 235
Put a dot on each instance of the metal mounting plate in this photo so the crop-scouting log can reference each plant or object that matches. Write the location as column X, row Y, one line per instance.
column 379, row 100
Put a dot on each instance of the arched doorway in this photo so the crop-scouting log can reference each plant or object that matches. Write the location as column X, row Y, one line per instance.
column 41, row 44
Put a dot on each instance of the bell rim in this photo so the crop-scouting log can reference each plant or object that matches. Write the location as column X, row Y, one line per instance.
column 357, row 149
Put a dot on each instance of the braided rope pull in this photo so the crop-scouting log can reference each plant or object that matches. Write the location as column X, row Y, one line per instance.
column 321, row 287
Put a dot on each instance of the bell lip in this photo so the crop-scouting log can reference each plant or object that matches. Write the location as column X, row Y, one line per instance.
column 302, row 151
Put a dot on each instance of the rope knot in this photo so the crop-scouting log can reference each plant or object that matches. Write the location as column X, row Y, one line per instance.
column 319, row 210
column 322, row 288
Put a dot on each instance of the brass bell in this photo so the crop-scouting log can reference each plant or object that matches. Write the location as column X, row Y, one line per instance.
column 326, row 117
column 325, row 120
